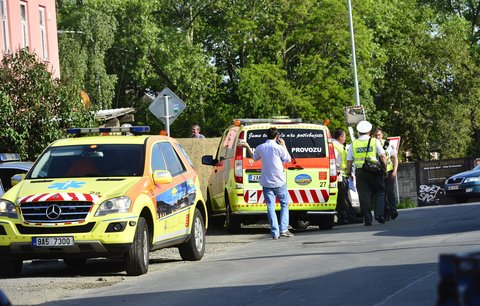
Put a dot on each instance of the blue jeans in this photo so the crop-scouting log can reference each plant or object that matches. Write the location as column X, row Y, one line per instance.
column 270, row 195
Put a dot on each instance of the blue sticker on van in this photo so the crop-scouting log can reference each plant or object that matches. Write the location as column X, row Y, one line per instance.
column 303, row 179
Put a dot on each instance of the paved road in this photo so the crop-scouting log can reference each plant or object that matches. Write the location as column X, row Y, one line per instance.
column 391, row 264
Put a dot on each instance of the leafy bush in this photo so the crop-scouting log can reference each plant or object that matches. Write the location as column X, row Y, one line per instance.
column 35, row 109
column 406, row 203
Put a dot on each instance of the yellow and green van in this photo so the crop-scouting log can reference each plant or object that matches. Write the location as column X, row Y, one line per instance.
column 234, row 195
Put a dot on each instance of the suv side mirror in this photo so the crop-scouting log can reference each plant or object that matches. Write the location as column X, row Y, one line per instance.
column 17, row 178
column 162, row 177
column 209, row 160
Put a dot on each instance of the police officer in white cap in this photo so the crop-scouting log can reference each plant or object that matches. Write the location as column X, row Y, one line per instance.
column 368, row 183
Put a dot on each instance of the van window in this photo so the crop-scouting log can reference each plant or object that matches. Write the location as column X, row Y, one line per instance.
column 301, row 143
column 230, row 141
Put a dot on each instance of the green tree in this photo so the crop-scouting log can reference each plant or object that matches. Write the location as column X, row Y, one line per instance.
column 154, row 48
column 427, row 88
column 86, row 32
column 467, row 9
column 290, row 57
column 35, row 109
column 470, row 12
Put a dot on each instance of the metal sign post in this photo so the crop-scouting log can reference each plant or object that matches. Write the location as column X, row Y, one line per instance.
column 353, row 115
column 354, row 58
column 167, row 106
column 167, row 115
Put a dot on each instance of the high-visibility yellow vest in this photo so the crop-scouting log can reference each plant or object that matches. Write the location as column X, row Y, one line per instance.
column 341, row 150
column 359, row 147
column 389, row 158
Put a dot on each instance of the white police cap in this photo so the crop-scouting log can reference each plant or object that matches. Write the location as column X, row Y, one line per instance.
column 364, row 127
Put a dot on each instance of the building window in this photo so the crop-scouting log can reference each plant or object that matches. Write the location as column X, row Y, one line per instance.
column 23, row 16
column 5, row 34
column 43, row 33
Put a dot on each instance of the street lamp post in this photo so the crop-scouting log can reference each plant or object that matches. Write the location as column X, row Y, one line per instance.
column 354, row 59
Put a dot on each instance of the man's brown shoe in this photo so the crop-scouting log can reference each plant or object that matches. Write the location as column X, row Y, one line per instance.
column 287, row 234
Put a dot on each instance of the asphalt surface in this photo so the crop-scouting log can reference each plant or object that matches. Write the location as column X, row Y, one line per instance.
column 391, row 264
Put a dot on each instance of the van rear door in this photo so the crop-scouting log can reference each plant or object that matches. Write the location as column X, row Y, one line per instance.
column 307, row 174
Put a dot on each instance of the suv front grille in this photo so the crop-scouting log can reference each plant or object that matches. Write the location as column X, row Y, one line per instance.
column 28, row 230
column 55, row 212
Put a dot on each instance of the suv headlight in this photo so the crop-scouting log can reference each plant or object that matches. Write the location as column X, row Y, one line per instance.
column 113, row 206
column 8, row 209
column 472, row 179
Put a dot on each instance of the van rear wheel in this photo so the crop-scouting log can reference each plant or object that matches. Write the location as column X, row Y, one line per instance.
column 299, row 224
column 325, row 222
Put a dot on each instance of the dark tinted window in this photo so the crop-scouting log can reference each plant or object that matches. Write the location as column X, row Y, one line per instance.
column 6, row 177
column 90, row 160
column 301, row 143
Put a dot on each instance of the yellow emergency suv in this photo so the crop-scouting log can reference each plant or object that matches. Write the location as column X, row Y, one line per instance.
column 234, row 195
column 115, row 196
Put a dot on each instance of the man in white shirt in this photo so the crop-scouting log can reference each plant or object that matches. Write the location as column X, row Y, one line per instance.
column 273, row 154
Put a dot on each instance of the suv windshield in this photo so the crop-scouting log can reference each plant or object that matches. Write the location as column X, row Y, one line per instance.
column 302, row 143
column 90, row 160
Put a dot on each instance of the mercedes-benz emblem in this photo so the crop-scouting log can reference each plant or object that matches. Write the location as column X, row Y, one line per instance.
column 53, row 212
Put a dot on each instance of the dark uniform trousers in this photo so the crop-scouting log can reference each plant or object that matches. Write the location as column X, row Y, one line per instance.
column 391, row 200
column 369, row 184
column 342, row 201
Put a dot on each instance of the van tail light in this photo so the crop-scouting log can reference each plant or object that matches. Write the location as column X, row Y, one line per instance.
column 239, row 161
column 333, row 164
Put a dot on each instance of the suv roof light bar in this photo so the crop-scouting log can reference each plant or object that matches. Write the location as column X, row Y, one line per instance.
column 136, row 130
column 4, row 157
column 279, row 119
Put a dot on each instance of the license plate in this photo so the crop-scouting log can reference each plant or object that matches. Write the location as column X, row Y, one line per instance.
column 52, row 241
column 453, row 187
column 254, row 178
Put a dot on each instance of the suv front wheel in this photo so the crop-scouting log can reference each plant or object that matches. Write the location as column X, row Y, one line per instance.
column 136, row 259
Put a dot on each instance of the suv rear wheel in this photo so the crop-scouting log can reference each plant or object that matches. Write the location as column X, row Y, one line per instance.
column 194, row 248
column 136, row 259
